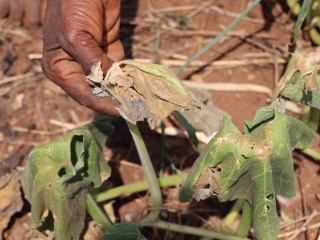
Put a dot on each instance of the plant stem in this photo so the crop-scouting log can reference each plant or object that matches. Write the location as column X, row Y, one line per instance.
column 140, row 186
column 245, row 221
column 311, row 153
column 189, row 230
column 232, row 215
column 152, row 180
column 96, row 213
column 217, row 38
column 305, row 116
column 189, row 128
column 313, row 121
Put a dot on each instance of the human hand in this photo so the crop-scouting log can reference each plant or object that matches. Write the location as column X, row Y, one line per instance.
column 78, row 34
column 27, row 12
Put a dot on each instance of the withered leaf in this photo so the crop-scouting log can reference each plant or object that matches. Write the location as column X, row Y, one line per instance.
column 146, row 91
column 311, row 82
column 10, row 196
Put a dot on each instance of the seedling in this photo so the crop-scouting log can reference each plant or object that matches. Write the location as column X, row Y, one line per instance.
column 254, row 166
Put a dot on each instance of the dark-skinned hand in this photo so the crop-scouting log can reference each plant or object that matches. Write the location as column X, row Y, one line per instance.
column 78, row 34
column 27, row 12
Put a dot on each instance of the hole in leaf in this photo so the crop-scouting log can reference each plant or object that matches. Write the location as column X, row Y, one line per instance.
column 62, row 172
column 270, row 196
column 77, row 149
column 47, row 225
column 244, row 156
column 266, row 209
column 216, row 169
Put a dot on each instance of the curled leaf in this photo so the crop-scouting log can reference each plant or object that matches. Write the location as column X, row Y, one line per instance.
column 58, row 174
column 145, row 91
column 301, row 86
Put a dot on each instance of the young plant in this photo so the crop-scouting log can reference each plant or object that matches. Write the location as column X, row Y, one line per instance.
column 145, row 92
column 257, row 165
column 58, row 174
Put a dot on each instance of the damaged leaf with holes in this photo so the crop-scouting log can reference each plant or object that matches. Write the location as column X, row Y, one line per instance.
column 301, row 85
column 255, row 166
column 145, row 91
column 57, row 176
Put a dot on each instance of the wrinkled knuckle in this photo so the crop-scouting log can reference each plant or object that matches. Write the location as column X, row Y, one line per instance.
column 45, row 64
column 47, row 67
column 71, row 36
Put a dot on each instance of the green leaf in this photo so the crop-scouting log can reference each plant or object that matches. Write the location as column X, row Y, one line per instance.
column 263, row 114
column 123, row 231
column 302, row 15
column 296, row 85
column 256, row 166
column 58, row 174
column 262, row 117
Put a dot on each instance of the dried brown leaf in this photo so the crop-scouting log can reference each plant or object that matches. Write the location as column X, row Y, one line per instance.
column 147, row 91
column 10, row 196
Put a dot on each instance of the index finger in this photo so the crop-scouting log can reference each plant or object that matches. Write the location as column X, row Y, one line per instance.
column 69, row 76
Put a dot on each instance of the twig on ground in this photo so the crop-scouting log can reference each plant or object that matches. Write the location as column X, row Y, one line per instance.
column 276, row 71
column 200, row 8
column 220, row 63
column 313, row 214
column 198, row 63
column 174, row 9
column 217, row 38
column 17, row 77
column 25, row 143
column 302, row 229
column 259, row 44
column 223, row 86
column 218, row 10
column 297, row 220
column 68, row 126
column 208, row 33
column 43, row 132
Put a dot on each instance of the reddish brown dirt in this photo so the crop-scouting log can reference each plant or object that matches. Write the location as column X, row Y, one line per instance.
column 34, row 111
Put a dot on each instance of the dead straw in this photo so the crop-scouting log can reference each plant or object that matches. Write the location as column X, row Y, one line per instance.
column 16, row 78
column 217, row 38
column 304, row 225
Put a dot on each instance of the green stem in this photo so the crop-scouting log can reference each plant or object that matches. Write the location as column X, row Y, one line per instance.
column 140, row 186
column 311, row 153
column 96, row 213
column 305, row 116
column 232, row 215
column 189, row 128
column 189, row 230
column 152, row 180
column 245, row 221
column 313, row 121
column 217, row 38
